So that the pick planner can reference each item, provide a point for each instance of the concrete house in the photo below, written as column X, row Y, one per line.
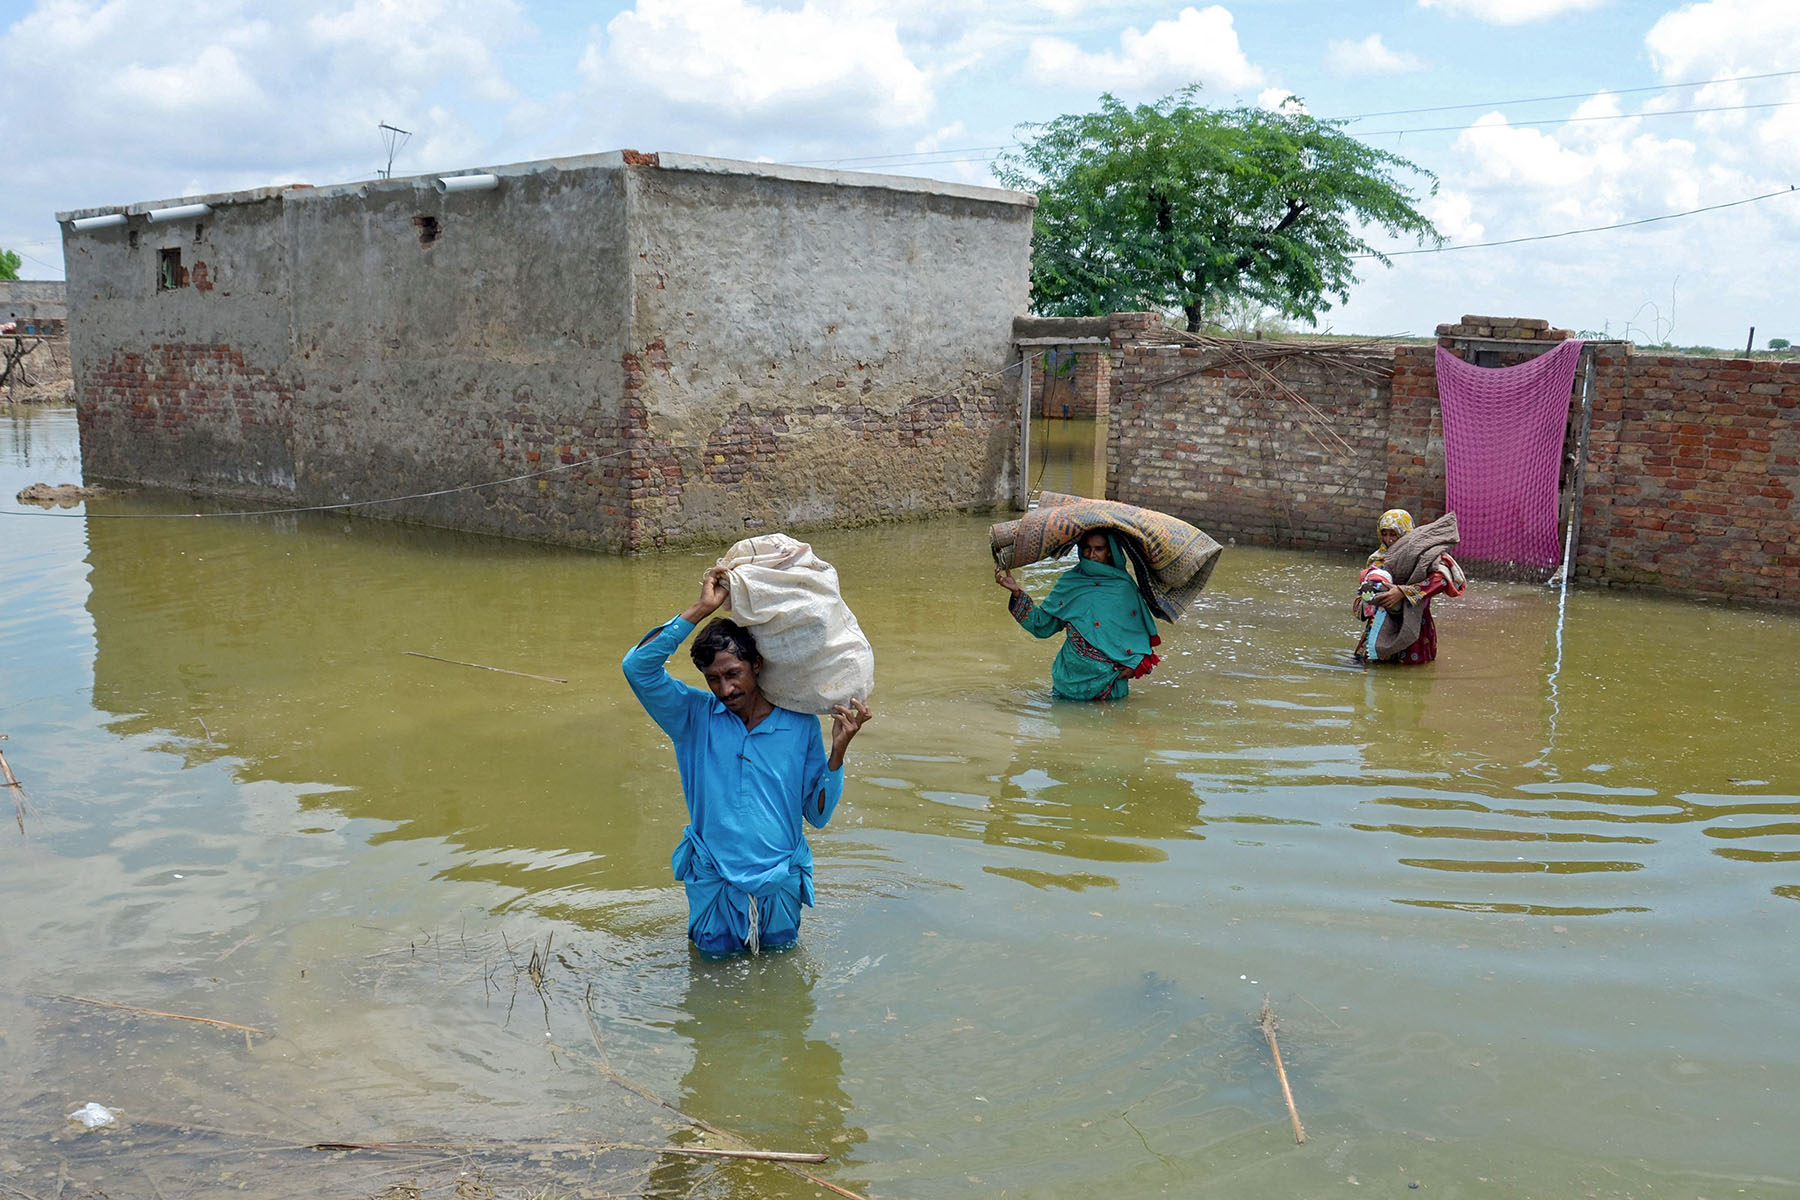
column 688, row 348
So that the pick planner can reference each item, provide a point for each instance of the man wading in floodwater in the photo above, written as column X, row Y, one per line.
column 749, row 771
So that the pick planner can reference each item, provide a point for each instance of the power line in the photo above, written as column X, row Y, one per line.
column 1544, row 237
column 981, row 153
column 1656, row 87
column 1667, row 112
column 924, row 158
column 34, row 258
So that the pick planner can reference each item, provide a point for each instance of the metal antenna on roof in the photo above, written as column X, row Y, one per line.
column 392, row 137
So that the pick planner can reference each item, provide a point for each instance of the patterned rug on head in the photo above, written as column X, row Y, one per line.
column 1173, row 559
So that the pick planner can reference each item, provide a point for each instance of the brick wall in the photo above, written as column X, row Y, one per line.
column 791, row 466
column 1688, row 486
column 1192, row 435
column 1692, row 468
column 1079, row 390
column 233, row 420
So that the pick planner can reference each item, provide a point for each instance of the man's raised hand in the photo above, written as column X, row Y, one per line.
column 846, row 720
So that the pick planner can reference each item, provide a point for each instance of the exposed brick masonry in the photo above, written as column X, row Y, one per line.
column 1191, row 435
column 1688, row 486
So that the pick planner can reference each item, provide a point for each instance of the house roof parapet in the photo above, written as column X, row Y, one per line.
column 663, row 160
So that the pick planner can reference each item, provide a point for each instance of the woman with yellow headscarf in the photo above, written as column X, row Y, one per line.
column 1393, row 597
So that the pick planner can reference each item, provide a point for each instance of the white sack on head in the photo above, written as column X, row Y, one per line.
column 814, row 653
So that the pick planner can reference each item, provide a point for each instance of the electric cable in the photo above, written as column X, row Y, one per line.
column 1545, row 237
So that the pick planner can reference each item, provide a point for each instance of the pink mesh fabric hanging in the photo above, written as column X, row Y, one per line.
column 1503, row 437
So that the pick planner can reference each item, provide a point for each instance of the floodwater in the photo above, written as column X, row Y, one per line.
column 1526, row 932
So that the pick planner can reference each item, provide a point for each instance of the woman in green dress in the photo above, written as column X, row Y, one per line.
column 1110, row 633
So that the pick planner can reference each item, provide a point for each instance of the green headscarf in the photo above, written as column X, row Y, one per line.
column 1101, row 603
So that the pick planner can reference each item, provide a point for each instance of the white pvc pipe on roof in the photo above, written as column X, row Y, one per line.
column 105, row 222
column 466, row 183
column 180, row 212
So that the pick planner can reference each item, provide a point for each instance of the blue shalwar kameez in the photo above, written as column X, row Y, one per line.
column 746, row 790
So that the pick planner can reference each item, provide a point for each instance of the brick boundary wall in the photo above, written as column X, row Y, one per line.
column 1692, row 469
column 1688, row 488
column 1191, row 436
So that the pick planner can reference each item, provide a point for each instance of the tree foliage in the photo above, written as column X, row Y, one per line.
column 1175, row 206
column 9, row 264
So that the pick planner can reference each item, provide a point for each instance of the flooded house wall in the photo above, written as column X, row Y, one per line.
column 466, row 337
column 707, row 347
column 805, row 352
column 180, row 353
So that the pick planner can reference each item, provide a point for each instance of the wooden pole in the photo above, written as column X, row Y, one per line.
column 1268, row 1028
column 1024, row 498
column 1750, row 341
column 1581, row 457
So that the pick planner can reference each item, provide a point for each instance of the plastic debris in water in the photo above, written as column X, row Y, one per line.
column 94, row 1116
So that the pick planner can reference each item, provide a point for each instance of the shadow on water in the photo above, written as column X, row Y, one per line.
column 1505, row 962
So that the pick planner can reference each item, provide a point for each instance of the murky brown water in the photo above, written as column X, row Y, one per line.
column 1521, row 941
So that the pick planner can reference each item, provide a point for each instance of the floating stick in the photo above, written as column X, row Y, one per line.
column 1267, row 1022
column 646, row 1094
column 151, row 1012
column 457, row 662
column 17, row 789
column 776, row 1156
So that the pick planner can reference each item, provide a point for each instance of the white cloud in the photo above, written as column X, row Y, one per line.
column 1501, row 153
column 1718, row 39
column 1371, row 56
column 1453, row 213
column 213, row 79
column 1724, row 37
column 1198, row 46
column 1511, row 12
column 151, row 99
column 735, row 64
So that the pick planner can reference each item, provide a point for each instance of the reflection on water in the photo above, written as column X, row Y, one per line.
column 1508, row 957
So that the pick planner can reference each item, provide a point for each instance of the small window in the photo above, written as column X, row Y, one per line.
column 168, row 270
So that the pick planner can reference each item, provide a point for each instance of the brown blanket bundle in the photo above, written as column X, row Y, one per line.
column 1409, row 560
column 1174, row 559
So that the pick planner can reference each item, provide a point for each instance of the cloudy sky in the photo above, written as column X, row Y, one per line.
column 1537, row 116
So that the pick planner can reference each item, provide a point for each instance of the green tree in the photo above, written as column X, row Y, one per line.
column 1175, row 206
column 1779, row 343
column 9, row 264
